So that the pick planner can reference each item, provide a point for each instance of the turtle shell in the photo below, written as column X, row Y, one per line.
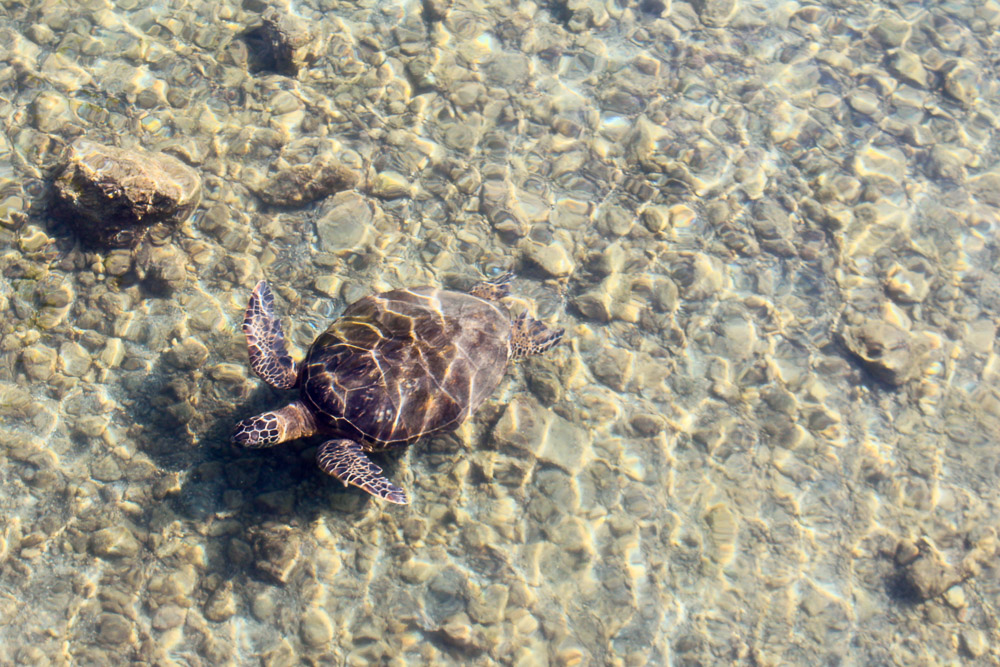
column 403, row 364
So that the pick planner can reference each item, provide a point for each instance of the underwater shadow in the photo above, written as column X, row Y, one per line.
column 185, row 421
column 243, row 501
column 901, row 590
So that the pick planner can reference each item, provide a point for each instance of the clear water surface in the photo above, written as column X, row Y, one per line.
column 770, row 436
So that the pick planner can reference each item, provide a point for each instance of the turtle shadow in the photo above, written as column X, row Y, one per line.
column 187, row 437
column 230, row 495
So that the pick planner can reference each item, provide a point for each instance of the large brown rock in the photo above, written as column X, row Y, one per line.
column 112, row 196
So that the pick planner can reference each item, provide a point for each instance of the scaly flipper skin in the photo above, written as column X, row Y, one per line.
column 258, row 431
column 528, row 336
column 346, row 460
column 271, row 428
column 493, row 290
column 269, row 357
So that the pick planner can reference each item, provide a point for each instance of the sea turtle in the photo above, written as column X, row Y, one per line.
column 393, row 368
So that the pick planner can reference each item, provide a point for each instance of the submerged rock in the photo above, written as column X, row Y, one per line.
column 715, row 13
column 908, row 69
column 925, row 572
column 962, row 81
column 161, row 268
column 774, row 228
column 436, row 10
column 221, row 605
column 347, row 224
column 281, row 44
column 316, row 629
column 529, row 427
column 891, row 353
column 553, row 259
column 168, row 616
column 276, row 550
column 112, row 196
column 114, row 629
column 305, row 183
column 114, row 542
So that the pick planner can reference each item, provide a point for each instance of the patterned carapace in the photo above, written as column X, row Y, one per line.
column 393, row 368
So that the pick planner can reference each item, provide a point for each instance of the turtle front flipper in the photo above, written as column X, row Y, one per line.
column 268, row 429
column 528, row 336
column 269, row 357
column 495, row 289
column 345, row 460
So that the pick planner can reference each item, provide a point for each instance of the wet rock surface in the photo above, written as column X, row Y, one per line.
column 316, row 629
column 925, row 573
column 276, row 551
column 282, row 43
column 346, row 224
column 305, row 183
column 112, row 196
column 114, row 542
column 891, row 353
column 162, row 269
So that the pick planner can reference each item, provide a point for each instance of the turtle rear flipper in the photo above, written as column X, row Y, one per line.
column 528, row 336
column 269, row 357
column 345, row 460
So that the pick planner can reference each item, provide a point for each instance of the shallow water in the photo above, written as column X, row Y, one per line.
column 770, row 434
